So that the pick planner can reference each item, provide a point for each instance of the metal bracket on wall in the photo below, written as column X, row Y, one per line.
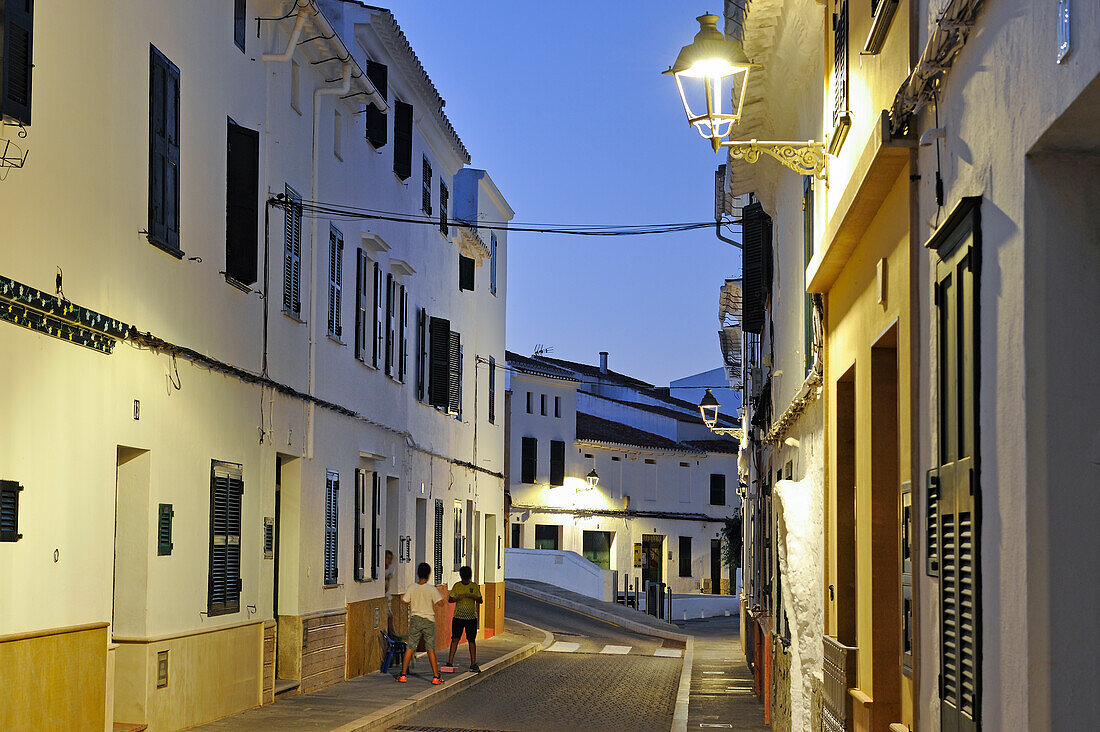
column 803, row 157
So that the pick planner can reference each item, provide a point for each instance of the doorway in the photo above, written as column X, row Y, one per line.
column 652, row 545
column 421, row 540
column 716, row 567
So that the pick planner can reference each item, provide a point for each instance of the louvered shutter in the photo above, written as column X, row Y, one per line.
column 331, row 543
column 376, row 526
column 454, row 401
column 164, row 150
column 242, row 197
column 9, row 510
column 953, row 483
column 529, row 459
column 16, row 59
column 360, row 529
column 421, row 353
column 439, row 347
column 226, row 487
column 438, row 541
column 493, row 263
column 292, row 253
column 402, row 139
column 164, row 529
column 756, row 228
column 426, row 188
column 391, row 308
column 840, row 61
column 492, row 390
column 335, row 278
column 557, row 462
column 444, row 199
column 378, row 350
column 376, row 118
column 361, row 263
column 403, row 333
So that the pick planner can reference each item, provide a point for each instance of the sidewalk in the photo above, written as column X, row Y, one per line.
column 376, row 701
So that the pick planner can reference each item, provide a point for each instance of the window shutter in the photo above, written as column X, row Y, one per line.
column 242, row 197
column 439, row 379
column 840, row 62
column 403, row 334
column 402, row 139
column 9, row 510
column 529, row 459
column 335, row 277
column 454, row 391
column 377, row 351
column 16, row 60
column 421, row 352
column 164, row 529
column 361, row 262
column 292, row 253
column 164, row 150
column 557, row 462
column 756, row 235
column 238, row 23
column 426, row 189
column 438, row 541
column 331, row 545
column 465, row 273
column 376, row 526
column 360, row 531
column 391, row 309
column 224, row 589
column 444, row 197
column 376, row 118
column 457, row 553
column 493, row 263
column 492, row 390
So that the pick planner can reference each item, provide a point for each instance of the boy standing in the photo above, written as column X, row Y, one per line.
column 467, row 596
column 423, row 599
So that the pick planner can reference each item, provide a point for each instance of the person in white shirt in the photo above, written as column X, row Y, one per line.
column 423, row 599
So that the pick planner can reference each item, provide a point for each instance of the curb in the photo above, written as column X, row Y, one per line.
column 683, row 693
column 400, row 711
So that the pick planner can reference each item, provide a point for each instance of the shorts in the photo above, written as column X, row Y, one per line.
column 458, row 625
column 421, row 628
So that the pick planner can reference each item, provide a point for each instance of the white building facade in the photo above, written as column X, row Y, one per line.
column 259, row 387
column 665, row 486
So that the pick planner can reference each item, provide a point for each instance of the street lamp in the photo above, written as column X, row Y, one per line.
column 708, row 410
column 593, row 478
column 718, row 64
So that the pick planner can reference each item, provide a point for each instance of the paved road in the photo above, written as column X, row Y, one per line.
column 601, row 677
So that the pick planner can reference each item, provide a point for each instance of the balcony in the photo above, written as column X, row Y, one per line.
column 840, row 676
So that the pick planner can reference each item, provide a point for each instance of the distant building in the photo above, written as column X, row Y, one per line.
column 665, row 484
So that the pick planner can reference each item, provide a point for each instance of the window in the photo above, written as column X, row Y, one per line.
column 337, row 134
column 685, row 483
column 685, row 556
column 391, row 325
column 164, row 151
column 517, row 536
column 402, row 139
column 426, row 189
column 421, row 353
column 292, row 253
column 557, row 406
column 492, row 390
column 9, row 510
column 295, row 86
column 367, row 509
column 445, row 366
column 465, row 273
column 335, row 278
column 16, row 40
column 402, row 333
column 546, row 536
column 596, row 548
column 164, row 529
column 378, row 350
column 841, row 114
column 224, row 588
column 493, row 263
column 455, row 405
column 242, row 207
column 557, row 462
column 238, row 23
column 362, row 266
column 443, row 200
column 529, row 406
column 717, row 489
column 458, row 543
column 529, row 459
column 332, row 516
column 376, row 118
column 542, row 404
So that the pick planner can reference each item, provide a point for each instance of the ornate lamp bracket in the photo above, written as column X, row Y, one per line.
column 735, row 432
column 805, row 158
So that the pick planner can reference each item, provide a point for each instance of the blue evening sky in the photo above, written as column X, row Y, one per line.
column 563, row 103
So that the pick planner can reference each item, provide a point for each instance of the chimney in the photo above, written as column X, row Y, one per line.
column 603, row 362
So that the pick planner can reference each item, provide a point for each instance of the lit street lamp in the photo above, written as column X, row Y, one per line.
column 593, row 478
column 708, row 410
column 709, row 68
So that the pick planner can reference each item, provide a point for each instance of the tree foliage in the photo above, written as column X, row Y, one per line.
column 732, row 541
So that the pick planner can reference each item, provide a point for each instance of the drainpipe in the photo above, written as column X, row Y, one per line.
column 315, row 241
column 299, row 24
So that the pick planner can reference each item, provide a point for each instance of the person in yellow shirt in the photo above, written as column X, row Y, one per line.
column 467, row 596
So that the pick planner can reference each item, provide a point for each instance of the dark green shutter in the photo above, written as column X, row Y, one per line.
column 444, row 198
column 16, row 59
column 9, row 510
column 557, row 462
column 465, row 273
column 953, row 483
column 376, row 118
column 331, row 542
column 426, row 188
column 164, row 529
column 375, row 525
column 421, row 353
column 492, row 390
column 402, row 139
column 454, row 375
column 292, row 253
column 360, row 304
column 529, row 460
column 242, row 207
column 359, row 530
column 439, row 348
column 164, row 150
column 224, row 589
column 438, row 541
column 756, row 239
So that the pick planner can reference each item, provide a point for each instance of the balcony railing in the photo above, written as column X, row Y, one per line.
column 840, row 675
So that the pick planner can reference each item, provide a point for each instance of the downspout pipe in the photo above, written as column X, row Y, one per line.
column 299, row 24
column 718, row 233
column 315, row 240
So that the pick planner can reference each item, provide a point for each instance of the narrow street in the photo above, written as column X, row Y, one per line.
column 596, row 676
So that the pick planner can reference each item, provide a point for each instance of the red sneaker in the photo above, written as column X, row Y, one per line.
column 436, row 680
column 402, row 678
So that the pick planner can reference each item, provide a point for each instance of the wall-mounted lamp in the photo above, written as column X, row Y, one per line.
column 593, row 478
column 708, row 410
column 712, row 67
